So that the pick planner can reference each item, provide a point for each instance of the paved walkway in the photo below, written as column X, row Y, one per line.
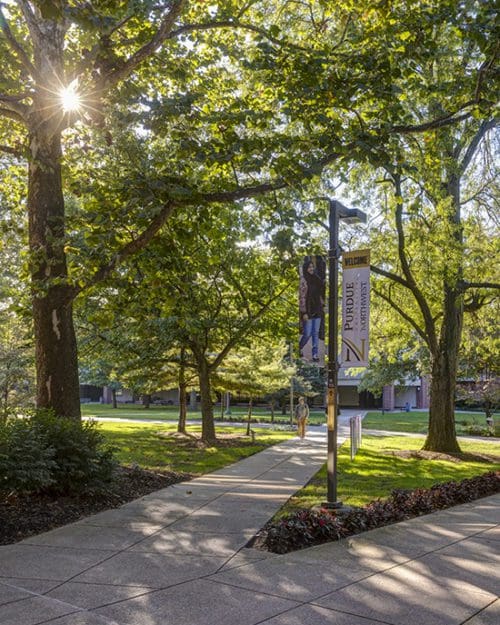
column 178, row 557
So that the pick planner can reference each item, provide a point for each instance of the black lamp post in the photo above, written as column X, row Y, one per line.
column 350, row 215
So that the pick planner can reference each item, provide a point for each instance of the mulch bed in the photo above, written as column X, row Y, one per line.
column 26, row 515
column 30, row 514
column 191, row 440
column 306, row 527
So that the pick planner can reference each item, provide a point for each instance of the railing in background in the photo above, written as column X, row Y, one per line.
column 355, row 424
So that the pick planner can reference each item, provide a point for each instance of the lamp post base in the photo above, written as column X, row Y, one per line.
column 337, row 507
column 332, row 505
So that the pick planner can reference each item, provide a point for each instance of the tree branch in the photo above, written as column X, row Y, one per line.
column 165, row 32
column 439, row 122
column 31, row 20
column 7, row 149
column 404, row 315
column 12, row 104
column 390, row 275
column 11, row 113
column 142, row 240
column 481, row 285
column 476, row 301
column 485, row 67
column 265, row 187
column 244, row 329
column 234, row 24
column 149, row 48
column 106, row 269
column 408, row 274
column 15, row 45
column 474, row 144
column 236, row 283
column 14, row 98
column 242, row 192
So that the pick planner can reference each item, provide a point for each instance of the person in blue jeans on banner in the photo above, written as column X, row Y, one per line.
column 312, row 303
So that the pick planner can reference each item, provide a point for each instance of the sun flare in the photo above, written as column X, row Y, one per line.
column 70, row 98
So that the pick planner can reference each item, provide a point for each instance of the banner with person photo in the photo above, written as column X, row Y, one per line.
column 312, row 278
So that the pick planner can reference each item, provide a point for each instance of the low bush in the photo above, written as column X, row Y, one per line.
column 477, row 430
column 83, row 460
column 26, row 457
column 309, row 527
column 45, row 453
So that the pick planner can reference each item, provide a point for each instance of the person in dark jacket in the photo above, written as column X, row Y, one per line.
column 312, row 303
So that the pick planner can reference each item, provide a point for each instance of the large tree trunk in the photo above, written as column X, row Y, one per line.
column 55, row 342
column 207, row 411
column 442, row 435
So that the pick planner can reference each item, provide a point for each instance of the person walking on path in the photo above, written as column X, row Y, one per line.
column 301, row 414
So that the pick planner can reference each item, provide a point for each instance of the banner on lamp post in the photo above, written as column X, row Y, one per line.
column 312, row 276
column 355, row 308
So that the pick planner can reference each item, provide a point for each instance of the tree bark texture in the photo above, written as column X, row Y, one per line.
column 207, row 411
column 55, row 341
column 442, row 434
column 181, row 424
column 56, row 350
column 249, row 415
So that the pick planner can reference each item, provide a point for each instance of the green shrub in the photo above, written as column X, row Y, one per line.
column 26, row 457
column 476, row 430
column 45, row 453
column 83, row 460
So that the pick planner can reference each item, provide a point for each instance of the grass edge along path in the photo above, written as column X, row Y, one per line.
column 385, row 463
column 158, row 447
column 152, row 456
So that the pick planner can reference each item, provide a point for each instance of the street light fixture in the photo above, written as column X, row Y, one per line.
column 337, row 212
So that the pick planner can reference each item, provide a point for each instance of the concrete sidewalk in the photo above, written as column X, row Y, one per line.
column 178, row 557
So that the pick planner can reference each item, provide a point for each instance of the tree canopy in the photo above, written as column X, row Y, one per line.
column 180, row 106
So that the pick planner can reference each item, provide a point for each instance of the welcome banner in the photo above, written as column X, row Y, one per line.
column 355, row 308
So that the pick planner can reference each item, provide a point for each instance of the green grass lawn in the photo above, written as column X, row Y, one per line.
column 417, row 422
column 375, row 471
column 153, row 446
column 171, row 413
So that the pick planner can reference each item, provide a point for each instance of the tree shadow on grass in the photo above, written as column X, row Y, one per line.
column 191, row 440
column 422, row 454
